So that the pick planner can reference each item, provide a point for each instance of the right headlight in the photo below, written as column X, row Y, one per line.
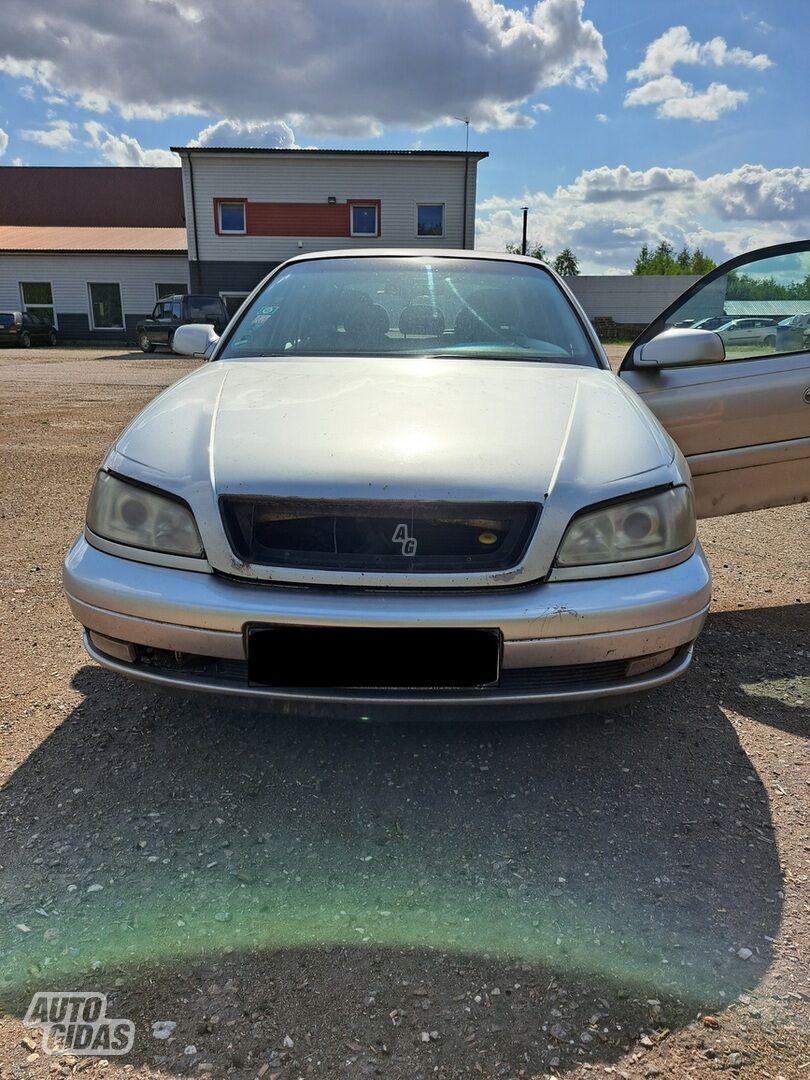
column 141, row 517
column 637, row 528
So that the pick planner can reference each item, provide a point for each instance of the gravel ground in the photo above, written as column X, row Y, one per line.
column 621, row 895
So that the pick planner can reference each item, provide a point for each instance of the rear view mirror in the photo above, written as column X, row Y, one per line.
column 195, row 339
column 678, row 347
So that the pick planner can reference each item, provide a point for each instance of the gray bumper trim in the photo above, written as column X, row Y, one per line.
column 489, row 698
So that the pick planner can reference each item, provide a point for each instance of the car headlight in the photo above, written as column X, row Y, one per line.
column 637, row 528
column 140, row 517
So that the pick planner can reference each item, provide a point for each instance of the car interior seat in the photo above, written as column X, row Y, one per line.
column 488, row 315
column 365, row 324
column 421, row 320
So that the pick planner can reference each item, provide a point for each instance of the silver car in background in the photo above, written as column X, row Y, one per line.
column 411, row 479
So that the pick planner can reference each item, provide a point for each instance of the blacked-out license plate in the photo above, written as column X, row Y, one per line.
column 304, row 656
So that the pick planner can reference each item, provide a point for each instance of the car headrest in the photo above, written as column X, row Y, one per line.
column 368, row 322
column 421, row 319
column 486, row 312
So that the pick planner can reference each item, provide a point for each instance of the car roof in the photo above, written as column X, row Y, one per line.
column 416, row 253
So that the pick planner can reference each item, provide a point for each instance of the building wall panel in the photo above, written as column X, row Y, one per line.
column 297, row 219
column 628, row 298
column 400, row 183
column 70, row 274
column 91, row 196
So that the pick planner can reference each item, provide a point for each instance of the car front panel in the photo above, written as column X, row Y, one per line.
column 552, row 633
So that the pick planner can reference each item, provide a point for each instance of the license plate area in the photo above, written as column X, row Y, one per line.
column 373, row 659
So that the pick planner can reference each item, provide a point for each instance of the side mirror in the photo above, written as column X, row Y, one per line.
column 678, row 347
column 195, row 339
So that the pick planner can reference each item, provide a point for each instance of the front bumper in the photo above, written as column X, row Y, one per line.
column 581, row 631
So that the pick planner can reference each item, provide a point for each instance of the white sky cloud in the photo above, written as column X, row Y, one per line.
column 679, row 100
column 352, row 69
column 57, row 136
column 606, row 214
column 3, row 142
column 675, row 46
column 272, row 133
column 125, row 150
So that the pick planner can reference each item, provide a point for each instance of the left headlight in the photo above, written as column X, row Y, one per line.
column 142, row 518
column 637, row 528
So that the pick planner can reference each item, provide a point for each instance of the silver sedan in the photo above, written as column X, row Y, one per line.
column 410, row 479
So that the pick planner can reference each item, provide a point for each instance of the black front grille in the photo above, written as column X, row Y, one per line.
column 547, row 680
column 367, row 536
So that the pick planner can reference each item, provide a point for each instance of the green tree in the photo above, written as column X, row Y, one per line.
column 701, row 264
column 566, row 263
column 683, row 260
column 533, row 250
column 663, row 260
column 642, row 264
column 746, row 287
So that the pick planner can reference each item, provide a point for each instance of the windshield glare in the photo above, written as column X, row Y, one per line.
column 409, row 306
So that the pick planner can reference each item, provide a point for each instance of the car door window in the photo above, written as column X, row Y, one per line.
column 763, row 299
column 741, row 421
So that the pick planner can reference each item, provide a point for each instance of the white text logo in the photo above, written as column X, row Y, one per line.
column 403, row 537
column 77, row 1023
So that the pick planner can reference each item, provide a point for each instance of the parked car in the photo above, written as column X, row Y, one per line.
column 748, row 332
column 174, row 311
column 793, row 333
column 411, row 479
column 24, row 330
column 710, row 323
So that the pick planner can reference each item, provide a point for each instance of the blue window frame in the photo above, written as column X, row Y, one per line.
column 430, row 219
column 364, row 219
column 231, row 217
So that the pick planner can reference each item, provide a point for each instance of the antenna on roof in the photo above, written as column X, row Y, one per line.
column 466, row 121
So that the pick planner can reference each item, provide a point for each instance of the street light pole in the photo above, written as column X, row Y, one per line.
column 525, row 210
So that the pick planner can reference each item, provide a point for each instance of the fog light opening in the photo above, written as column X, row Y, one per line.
column 649, row 663
column 118, row 650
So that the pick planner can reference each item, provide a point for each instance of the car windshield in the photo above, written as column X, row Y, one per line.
column 412, row 306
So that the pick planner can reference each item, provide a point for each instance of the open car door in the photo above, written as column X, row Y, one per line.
column 740, row 412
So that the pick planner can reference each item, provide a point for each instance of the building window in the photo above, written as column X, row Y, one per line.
column 179, row 288
column 364, row 219
column 430, row 219
column 231, row 217
column 233, row 301
column 37, row 299
column 105, row 305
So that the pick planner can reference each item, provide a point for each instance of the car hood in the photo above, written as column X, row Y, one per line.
column 396, row 429
column 415, row 430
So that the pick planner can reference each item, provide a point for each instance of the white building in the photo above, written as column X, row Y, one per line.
column 90, row 282
column 249, row 209
column 90, row 248
column 630, row 300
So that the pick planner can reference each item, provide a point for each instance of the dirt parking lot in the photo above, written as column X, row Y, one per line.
column 622, row 895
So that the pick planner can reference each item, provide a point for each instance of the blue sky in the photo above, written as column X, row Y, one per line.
column 617, row 123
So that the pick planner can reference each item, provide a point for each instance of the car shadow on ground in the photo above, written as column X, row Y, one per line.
column 133, row 352
column 415, row 896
